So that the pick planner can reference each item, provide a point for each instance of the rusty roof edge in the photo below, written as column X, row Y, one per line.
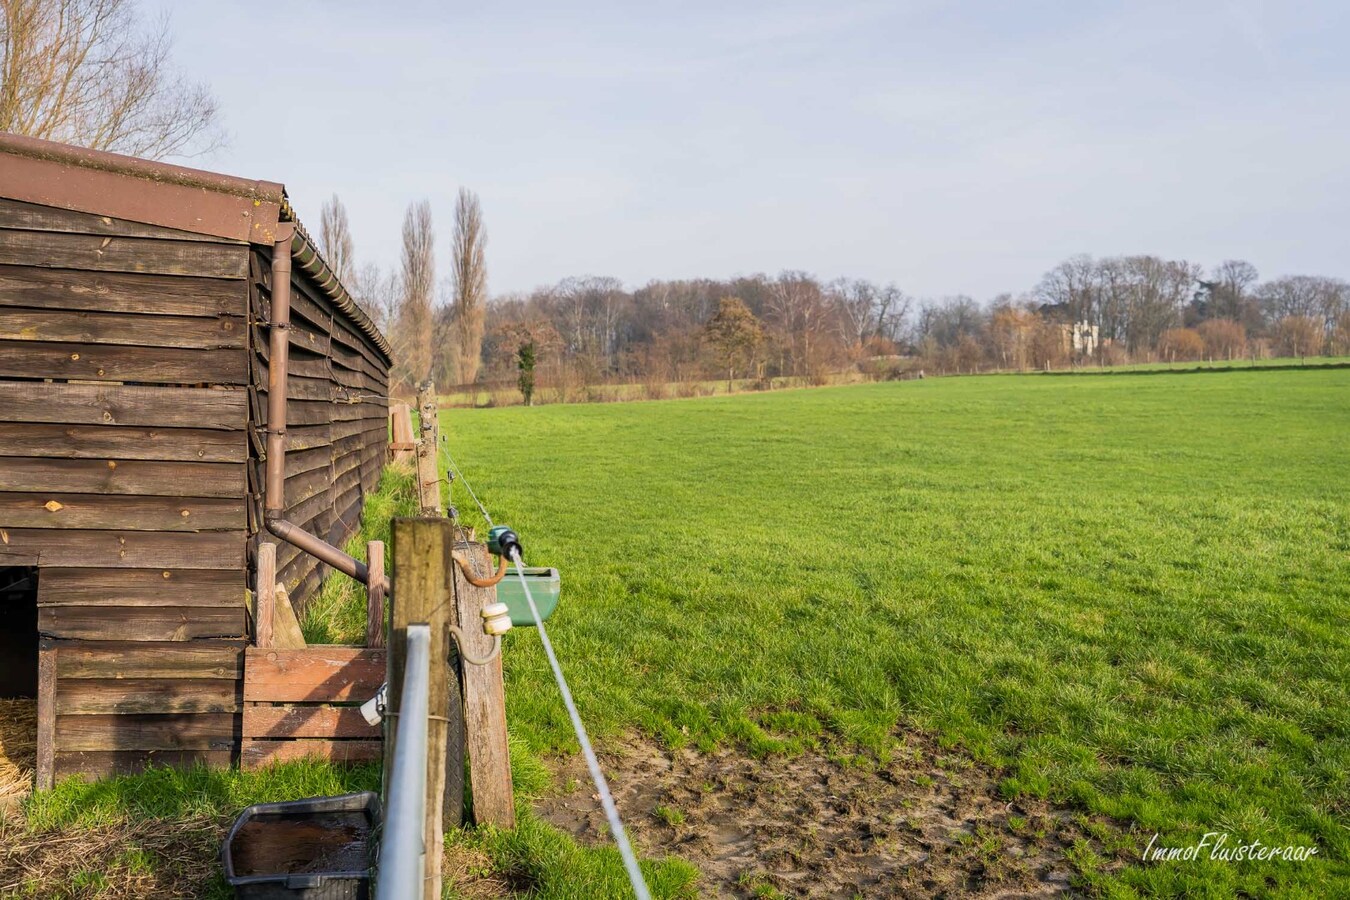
column 270, row 194
column 307, row 256
column 36, row 148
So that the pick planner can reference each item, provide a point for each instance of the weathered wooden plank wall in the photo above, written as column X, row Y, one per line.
column 123, row 408
column 336, row 420
column 133, row 388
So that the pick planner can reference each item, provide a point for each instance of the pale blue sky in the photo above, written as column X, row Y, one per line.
column 951, row 148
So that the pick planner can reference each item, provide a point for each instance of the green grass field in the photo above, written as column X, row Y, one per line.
column 1130, row 593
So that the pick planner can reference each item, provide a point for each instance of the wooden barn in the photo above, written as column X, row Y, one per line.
column 135, row 305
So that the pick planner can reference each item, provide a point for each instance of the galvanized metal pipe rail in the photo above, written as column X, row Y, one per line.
column 402, row 850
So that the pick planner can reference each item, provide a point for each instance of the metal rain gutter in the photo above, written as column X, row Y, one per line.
column 274, row 507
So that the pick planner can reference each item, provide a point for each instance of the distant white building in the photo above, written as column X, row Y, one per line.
column 1083, row 338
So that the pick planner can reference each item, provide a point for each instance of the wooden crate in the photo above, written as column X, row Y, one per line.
column 300, row 703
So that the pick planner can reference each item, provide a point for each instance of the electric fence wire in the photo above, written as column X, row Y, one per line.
column 616, row 828
column 630, row 862
column 451, row 460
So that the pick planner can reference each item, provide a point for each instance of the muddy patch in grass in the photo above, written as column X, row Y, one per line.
column 929, row 823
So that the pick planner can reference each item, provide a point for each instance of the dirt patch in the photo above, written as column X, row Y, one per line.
column 929, row 823
column 18, row 750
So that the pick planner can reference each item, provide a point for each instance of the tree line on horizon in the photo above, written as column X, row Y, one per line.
column 586, row 331
column 595, row 330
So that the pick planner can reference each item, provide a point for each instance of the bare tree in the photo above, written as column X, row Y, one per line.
column 798, row 308
column 1158, row 289
column 1070, row 290
column 87, row 72
column 419, row 284
column 469, row 246
column 1230, row 291
column 865, row 310
column 336, row 236
column 379, row 293
column 1305, row 296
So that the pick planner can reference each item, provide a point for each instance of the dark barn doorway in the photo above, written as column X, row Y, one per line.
column 18, row 681
column 18, row 633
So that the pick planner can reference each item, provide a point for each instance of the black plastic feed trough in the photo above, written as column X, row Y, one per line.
column 324, row 848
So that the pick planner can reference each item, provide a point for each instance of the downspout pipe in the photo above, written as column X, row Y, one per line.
column 274, row 506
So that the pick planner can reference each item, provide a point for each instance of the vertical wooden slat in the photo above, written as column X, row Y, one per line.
column 484, row 701
column 265, row 590
column 375, row 592
column 400, row 415
column 422, row 570
column 46, row 716
column 428, row 448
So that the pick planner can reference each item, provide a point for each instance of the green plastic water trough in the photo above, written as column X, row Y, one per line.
column 545, row 587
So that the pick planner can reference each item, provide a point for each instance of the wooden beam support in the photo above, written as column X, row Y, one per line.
column 375, row 594
column 428, row 450
column 422, row 581
column 46, row 717
column 484, row 701
column 404, row 442
column 264, row 613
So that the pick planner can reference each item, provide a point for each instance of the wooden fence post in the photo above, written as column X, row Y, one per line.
column 428, row 451
column 421, row 579
column 484, row 701
column 264, row 594
column 403, row 443
column 45, row 774
column 375, row 592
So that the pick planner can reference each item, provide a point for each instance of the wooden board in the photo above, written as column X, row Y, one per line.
column 107, row 253
column 122, row 549
column 82, row 327
column 306, row 461
column 111, row 362
column 484, row 702
column 306, row 437
column 45, row 768
column 84, row 696
column 302, row 486
column 33, row 217
column 146, row 659
column 60, row 441
column 256, row 752
column 92, row 404
column 299, row 387
column 115, row 511
column 142, row 623
column 140, row 587
column 422, row 575
column 278, row 722
column 42, row 288
column 130, row 477
column 102, row 763
column 194, row 731
column 317, row 674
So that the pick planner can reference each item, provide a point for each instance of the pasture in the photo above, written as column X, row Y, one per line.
column 1126, row 595
column 977, row 635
